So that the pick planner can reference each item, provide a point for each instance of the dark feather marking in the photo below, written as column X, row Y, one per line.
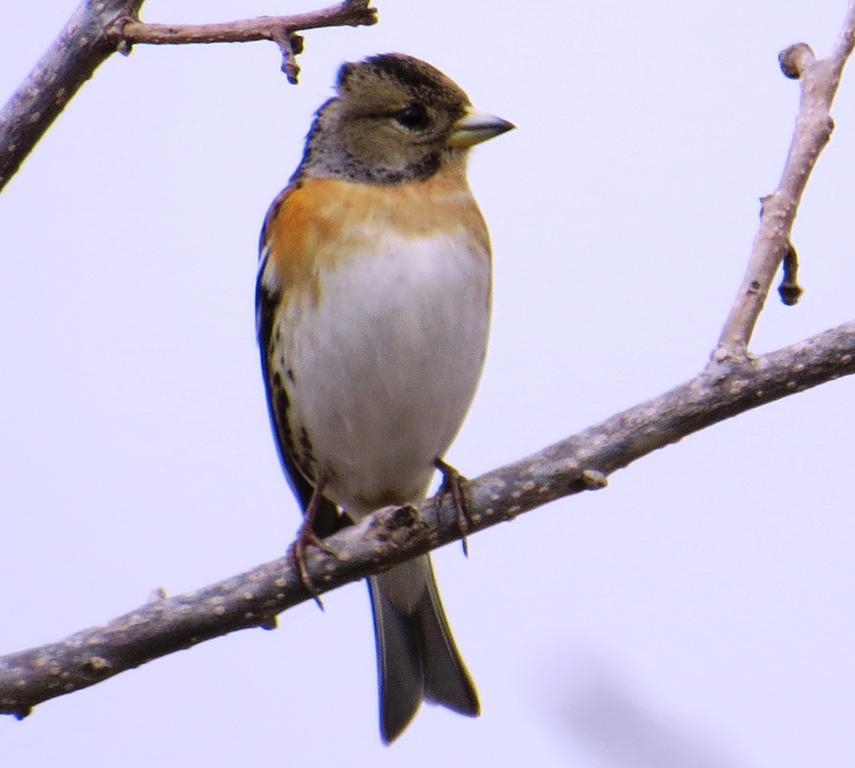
column 406, row 70
column 327, row 520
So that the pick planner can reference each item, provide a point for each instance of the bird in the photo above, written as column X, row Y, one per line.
column 373, row 302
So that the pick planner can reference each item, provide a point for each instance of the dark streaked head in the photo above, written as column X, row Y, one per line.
column 394, row 118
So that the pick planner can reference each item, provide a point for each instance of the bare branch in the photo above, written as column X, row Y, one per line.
column 819, row 81
column 86, row 40
column 99, row 28
column 279, row 29
column 582, row 462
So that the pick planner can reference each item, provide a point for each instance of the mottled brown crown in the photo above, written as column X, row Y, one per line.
column 389, row 122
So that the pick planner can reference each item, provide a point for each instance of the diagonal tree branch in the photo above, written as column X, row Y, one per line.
column 582, row 462
column 819, row 81
column 82, row 45
column 99, row 28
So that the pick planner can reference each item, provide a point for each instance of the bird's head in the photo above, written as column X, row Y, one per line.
column 394, row 118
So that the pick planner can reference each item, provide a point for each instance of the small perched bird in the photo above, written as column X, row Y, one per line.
column 373, row 305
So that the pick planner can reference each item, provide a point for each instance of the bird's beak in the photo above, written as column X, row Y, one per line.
column 475, row 127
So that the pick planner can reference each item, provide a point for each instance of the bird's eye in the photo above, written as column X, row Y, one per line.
column 413, row 116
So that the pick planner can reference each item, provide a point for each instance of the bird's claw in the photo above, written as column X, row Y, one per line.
column 454, row 485
column 306, row 537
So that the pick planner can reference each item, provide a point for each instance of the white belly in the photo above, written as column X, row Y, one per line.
column 385, row 366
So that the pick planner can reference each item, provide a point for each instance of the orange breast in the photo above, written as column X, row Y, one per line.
column 318, row 223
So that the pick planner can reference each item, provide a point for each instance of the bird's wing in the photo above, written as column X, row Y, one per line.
column 268, row 294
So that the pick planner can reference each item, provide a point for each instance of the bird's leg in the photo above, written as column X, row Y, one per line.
column 454, row 485
column 306, row 537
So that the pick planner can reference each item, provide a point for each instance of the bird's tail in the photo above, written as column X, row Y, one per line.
column 416, row 655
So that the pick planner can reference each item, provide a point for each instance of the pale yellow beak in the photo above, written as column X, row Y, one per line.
column 475, row 127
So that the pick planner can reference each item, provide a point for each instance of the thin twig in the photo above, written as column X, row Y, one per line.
column 279, row 29
column 351, row 13
column 819, row 80
column 391, row 535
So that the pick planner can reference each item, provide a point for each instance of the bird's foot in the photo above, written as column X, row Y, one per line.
column 306, row 537
column 455, row 486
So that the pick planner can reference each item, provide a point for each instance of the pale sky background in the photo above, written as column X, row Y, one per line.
column 698, row 612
